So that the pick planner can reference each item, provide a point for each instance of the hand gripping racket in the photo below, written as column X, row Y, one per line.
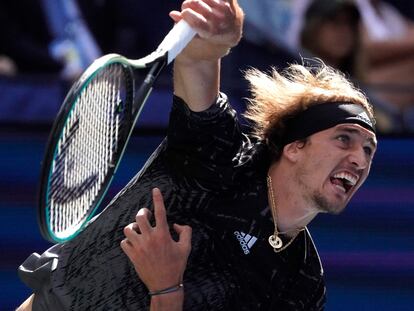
column 90, row 133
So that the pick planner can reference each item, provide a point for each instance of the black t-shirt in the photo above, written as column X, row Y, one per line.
column 213, row 178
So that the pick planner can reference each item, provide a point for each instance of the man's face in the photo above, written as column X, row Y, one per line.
column 333, row 164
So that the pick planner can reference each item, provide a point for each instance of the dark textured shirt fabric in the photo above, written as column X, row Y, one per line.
column 213, row 178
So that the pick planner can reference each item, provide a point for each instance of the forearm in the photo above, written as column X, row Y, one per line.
column 168, row 302
column 197, row 82
column 387, row 51
column 218, row 25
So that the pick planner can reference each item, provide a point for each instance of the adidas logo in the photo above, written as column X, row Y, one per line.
column 246, row 241
column 364, row 117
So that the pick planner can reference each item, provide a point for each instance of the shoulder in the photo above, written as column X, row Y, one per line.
column 253, row 156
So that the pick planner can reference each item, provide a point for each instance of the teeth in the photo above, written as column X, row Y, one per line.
column 349, row 178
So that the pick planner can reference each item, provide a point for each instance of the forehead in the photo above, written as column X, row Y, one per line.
column 357, row 129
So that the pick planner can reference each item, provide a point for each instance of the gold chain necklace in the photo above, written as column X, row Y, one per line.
column 274, row 240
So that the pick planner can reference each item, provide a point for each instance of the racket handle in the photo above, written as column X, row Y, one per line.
column 176, row 40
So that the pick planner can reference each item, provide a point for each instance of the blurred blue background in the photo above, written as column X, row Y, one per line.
column 367, row 252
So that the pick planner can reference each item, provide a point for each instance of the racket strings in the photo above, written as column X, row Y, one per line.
column 87, row 148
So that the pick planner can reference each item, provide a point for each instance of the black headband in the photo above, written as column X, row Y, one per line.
column 320, row 117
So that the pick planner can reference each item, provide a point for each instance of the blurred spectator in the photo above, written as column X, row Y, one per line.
column 388, row 43
column 26, row 37
column 330, row 32
column 47, row 36
column 72, row 43
column 270, row 38
column 327, row 29
column 7, row 66
column 274, row 22
column 128, row 27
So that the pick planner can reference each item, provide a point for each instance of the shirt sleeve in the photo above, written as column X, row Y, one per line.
column 202, row 146
column 36, row 272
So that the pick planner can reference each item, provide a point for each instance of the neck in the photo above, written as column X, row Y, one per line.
column 292, row 212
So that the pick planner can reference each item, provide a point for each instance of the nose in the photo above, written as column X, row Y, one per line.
column 359, row 158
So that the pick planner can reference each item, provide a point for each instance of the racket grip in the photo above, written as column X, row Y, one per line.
column 176, row 40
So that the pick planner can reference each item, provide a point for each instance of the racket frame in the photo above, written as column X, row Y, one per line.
column 138, row 96
column 169, row 48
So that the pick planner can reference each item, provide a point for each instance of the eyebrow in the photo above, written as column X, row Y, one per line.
column 356, row 131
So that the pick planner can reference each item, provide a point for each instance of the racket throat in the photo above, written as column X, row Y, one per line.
column 144, row 90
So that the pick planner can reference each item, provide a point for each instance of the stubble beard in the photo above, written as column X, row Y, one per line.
column 322, row 204
column 317, row 200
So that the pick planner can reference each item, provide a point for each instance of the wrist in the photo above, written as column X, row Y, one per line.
column 168, row 296
column 167, row 290
column 198, row 51
column 197, row 82
column 194, row 63
column 172, row 301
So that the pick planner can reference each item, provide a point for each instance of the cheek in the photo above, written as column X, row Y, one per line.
column 322, row 159
column 314, row 171
column 319, row 162
column 364, row 177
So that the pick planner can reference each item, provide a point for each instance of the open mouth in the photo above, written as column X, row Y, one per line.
column 344, row 181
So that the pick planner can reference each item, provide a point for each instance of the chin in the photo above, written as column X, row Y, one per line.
column 326, row 206
column 335, row 210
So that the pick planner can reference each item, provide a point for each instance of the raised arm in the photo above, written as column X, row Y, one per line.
column 388, row 51
column 197, row 69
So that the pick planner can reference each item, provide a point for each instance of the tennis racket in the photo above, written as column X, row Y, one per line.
column 90, row 133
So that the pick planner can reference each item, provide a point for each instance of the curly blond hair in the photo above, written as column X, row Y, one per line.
column 278, row 96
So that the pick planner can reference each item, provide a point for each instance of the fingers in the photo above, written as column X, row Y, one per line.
column 205, row 8
column 127, row 248
column 159, row 210
column 131, row 234
column 142, row 220
column 176, row 16
column 220, row 7
column 200, row 7
column 144, row 215
column 217, row 5
column 184, row 236
column 196, row 21
column 206, row 17
column 131, row 239
column 141, row 231
column 233, row 5
column 142, row 225
column 209, row 9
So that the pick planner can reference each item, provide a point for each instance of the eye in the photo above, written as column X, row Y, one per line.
column 344, row 138
column 368, row 150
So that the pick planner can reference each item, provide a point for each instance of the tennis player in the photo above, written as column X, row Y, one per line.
column 247, row 198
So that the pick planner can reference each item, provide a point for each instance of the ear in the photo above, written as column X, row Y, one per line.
column 293, row 151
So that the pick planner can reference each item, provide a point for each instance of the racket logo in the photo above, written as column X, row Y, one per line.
column 91, row 132
column 64, row 166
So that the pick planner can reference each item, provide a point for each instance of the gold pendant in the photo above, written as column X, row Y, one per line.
column 275, row 241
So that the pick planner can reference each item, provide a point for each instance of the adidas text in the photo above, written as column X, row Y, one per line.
column 246, row 241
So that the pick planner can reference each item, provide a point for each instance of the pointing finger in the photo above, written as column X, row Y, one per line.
column 159, row 209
